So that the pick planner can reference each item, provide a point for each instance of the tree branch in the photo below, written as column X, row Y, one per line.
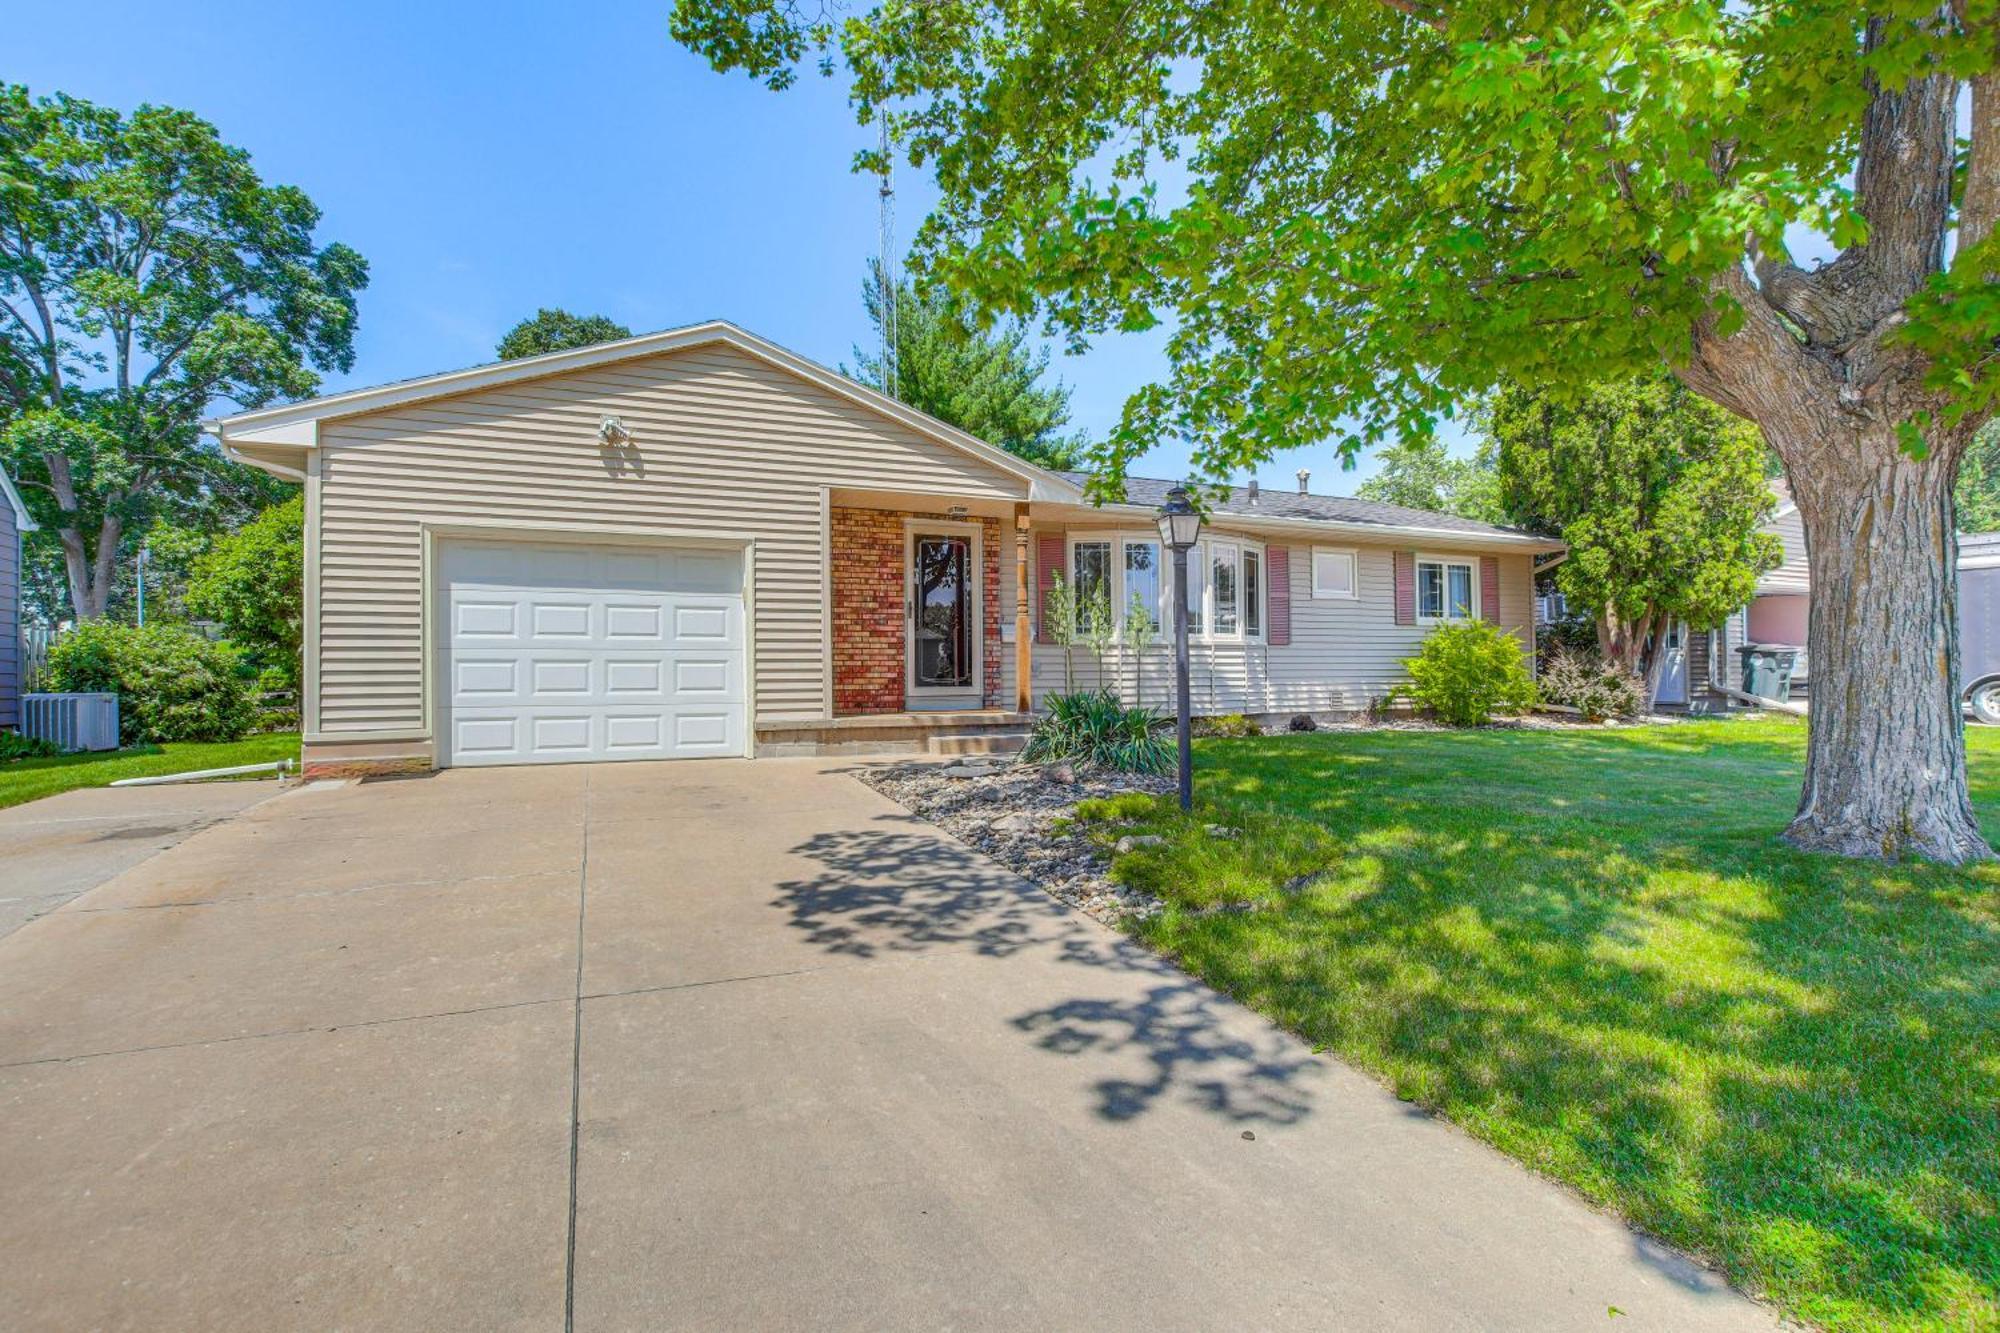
column 1980, row 211
column 1421, row 13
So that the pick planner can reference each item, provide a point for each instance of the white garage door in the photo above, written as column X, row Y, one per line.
column 560, row 654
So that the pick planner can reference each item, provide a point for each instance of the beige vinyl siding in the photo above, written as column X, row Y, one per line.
column 722, row 445
column 1343, row 654
column 1790, row 529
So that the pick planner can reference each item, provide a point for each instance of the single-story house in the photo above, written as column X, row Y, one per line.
column 698, row 543
column 14, row 524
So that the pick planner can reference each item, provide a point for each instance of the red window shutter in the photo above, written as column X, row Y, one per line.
column 1489, row 588
column 1049, row 562
column 1278, row 598
column 1406, row 587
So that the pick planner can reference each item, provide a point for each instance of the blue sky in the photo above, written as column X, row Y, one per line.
column 491, row 158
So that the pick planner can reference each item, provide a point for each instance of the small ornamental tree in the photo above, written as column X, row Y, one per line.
column 1351, row 218
column 1658, row 494
column 554, row 330
column 252, row 583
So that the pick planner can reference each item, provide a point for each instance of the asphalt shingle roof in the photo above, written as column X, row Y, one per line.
column 1152, row 492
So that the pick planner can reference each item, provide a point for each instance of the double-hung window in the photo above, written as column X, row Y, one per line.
column 1142, row 585
column 1227, row 590
column 1253, row 594
column 1090, row 580
column 1446, row 589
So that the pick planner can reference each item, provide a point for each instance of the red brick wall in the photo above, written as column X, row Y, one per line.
column 868, row 591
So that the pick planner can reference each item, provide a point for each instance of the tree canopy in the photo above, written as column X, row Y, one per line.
column 252, row 583
column 1657, row 493
column 1423, row 474
column 1353, row 217
column 553, row 330
column 146, row 271
column 987, row 382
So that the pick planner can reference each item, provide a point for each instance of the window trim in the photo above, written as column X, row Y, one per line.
column 1202, row 554
column 1470, row 563
column 1322, row 593
column 1118, row 539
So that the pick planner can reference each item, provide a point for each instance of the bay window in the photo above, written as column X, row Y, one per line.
column 1142, row 585
column 1090, row 579
column 1253, row 593
column 1222, row 563
column 1226, row 585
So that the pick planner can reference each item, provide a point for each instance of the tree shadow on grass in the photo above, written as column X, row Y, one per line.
column 1786, row 1062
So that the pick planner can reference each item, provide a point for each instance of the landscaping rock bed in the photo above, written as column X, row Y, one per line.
column 1010, row 811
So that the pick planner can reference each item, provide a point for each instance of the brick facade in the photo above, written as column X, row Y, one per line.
column 868, row 591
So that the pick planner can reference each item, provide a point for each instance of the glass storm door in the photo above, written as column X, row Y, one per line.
column 943, row 656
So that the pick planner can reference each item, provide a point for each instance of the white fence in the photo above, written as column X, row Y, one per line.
column 35, row 643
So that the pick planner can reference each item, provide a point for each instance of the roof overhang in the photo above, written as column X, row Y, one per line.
column 1327, row 529
column 254, row 437
column 22, row 521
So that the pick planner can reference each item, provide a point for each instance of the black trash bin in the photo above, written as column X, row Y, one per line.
column 1767, row 669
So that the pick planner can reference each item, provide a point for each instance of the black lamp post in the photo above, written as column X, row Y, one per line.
column 1180, row 524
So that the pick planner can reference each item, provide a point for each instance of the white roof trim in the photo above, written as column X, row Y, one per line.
column 22, row 522
column 1287, row 526
column 281, row 425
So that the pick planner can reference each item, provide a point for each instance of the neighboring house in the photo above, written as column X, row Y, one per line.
column 14, row 523
column 1776, row 615
column 697, row 543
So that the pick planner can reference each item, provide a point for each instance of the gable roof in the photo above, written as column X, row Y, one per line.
column 1347, row 514
column 297, row 424
column 22, row 523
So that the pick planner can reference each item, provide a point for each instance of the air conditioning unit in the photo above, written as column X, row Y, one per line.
column 71, row 721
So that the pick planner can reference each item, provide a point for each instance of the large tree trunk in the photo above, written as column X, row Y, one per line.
column 1885, row 759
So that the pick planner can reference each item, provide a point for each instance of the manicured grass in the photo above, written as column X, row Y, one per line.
column 31, row 779
column 1590, row 950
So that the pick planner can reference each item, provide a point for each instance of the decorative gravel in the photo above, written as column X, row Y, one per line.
column 1009, row 811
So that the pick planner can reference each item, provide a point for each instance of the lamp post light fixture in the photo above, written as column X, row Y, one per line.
column 1180, row 525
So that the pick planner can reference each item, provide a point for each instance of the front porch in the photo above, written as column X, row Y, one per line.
column 973, row 731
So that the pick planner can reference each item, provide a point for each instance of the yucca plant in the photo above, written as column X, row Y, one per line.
column 1095, row 729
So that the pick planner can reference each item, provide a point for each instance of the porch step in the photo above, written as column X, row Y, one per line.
column 978, row 742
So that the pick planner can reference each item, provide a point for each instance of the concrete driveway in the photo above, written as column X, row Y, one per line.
column 713, row 1045
column 53, row 849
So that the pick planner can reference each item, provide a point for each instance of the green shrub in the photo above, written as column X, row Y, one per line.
column 13, row 745
column 1229, row 724
column 1581, row 678
column 1117, row 809
column 172, row 684
column 1094, row 729
column 1466, row 673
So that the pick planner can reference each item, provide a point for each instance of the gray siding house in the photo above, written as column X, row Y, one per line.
column 14, row 523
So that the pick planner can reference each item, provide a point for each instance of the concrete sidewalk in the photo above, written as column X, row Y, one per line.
column 327, row 1064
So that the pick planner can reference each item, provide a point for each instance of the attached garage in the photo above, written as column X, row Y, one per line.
column 559, row 653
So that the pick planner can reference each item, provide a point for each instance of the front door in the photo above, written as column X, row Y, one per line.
column 1674, row 670
column 942, row 614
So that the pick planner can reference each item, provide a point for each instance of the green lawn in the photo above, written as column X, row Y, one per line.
column 31, row 779
column 1589, row 949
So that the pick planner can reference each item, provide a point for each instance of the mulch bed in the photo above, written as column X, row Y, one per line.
column 1008, row 811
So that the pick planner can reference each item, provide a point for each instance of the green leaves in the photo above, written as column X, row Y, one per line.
column 1348, row 219
column 554, row 330
column 1658, row 493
